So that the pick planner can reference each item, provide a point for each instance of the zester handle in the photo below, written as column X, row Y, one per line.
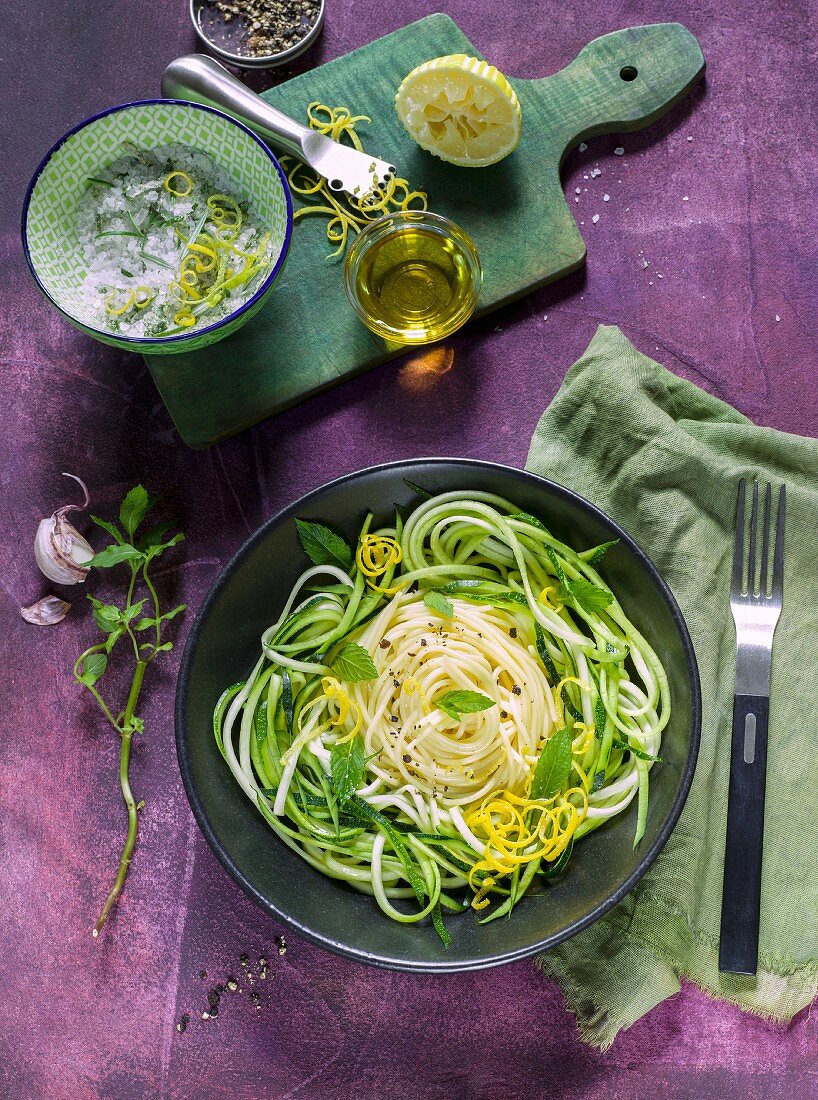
column 201, row 79
column 741, row 894
column 625, row 80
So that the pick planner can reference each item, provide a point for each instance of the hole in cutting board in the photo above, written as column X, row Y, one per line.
column 336, row 185
column 628, row 72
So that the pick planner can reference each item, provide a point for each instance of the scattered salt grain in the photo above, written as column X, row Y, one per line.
column 606, row 198
column 689, row 138
column 685, row 198
column 619, row 151
column 595, row 218
column 578, row 190
column 595, row 172
column 777, row 317
column 582, row 146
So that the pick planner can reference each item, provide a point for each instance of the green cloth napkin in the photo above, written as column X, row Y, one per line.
column 663, row 458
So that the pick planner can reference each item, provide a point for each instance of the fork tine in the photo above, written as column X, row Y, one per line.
column 751, row 562
column 778, row 556
column 765, row 544
column 738, row 547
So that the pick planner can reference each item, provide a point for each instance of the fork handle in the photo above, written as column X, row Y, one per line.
column 202, row 79
column 741, row 895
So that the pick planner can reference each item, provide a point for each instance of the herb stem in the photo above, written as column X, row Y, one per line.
column 127, row 795
column 155, row 598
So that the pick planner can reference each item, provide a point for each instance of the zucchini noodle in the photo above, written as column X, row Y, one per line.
column 441, row 715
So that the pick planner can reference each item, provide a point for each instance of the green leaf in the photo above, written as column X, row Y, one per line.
column 553, row 767
column 113, row 555
column 147, row 623
column 353, row 663
column 93, row 668
column 137, row 724
column 347, row 764
column 165, row 647
column 590, row 597
column 438, row 602
column 107, row 616
column 322, row 546
column 155, row 549
column 455, row 703
column 132, row 611
column 597, row 553
column 111, row 528
column 133, row 508
column 532, row 521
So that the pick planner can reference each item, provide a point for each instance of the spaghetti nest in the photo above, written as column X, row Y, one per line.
column 455, row 703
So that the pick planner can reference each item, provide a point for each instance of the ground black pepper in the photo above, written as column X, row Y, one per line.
column 269, row 26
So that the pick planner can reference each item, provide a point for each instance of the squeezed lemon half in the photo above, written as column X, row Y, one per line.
column 460, row 109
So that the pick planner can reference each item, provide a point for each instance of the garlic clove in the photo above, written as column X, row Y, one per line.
column 61, row 552
column 46, row 612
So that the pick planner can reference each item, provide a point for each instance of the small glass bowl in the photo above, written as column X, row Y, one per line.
column 417, row 259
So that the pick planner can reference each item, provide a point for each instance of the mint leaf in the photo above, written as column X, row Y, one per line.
column 347, row 764
column 553, row 767
column 93, row 668
column 132, row 611
column 113, row 555
column 111, row 528
column 147, row 623
column 322, row 546
column 438, row 602
column 597, row 553
column 107, row 616
column 455, row 703
column 133, row 508
column 590, row 597
column 353, row 663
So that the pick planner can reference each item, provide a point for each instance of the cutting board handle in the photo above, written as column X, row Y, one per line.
column 625, row 80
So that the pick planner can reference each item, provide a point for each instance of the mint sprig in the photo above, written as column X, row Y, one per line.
column 141, row 635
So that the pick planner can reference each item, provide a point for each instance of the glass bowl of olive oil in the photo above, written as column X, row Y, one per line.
column 413, row 277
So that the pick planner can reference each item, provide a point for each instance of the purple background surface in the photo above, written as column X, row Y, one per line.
column 718, row 201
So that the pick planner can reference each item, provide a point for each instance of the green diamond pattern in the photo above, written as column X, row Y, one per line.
column 50, row 231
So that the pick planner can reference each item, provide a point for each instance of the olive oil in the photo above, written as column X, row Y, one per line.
column 417, row 280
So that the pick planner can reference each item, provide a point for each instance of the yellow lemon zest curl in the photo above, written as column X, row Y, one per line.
column 518, row 830
column 411, row 686
column 558, row 703
column 347, row 214
column 171, row 187
column 344, row 707
column 377, row 554
column 545, row 597
column 116, row 310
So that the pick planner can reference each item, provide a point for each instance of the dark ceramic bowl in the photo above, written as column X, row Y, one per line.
column 224, row 644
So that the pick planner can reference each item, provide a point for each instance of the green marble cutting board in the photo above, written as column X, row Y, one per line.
column 306, row 338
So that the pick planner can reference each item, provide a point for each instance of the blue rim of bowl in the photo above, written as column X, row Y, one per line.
column 159, row 341
column 442, row 967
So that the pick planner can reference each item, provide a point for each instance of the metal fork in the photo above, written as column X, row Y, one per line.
column 755, row 602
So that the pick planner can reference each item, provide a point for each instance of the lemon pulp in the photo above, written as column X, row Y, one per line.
column 461, row 109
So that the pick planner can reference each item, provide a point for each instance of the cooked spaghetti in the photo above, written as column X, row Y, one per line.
column 440, row 713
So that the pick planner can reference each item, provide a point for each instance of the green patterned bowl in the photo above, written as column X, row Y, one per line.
column 49, row 237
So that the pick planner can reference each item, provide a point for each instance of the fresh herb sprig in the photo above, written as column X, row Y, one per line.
column 139, row 629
